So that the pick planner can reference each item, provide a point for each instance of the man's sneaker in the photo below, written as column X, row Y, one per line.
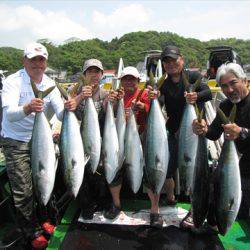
column 156, row 220
column 48, row 228
column 112, row 213
column 39, row 242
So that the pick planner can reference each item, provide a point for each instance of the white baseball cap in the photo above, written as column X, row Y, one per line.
column 35, row 49
column 132, row 71
column 92, row 63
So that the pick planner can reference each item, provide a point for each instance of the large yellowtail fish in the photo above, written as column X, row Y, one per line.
column 72, row 151
column 43, row 159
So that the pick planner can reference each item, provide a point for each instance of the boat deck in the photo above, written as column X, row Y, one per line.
column 72, row 234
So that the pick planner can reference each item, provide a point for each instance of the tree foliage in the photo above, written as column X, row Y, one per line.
column 10, row 59
column 130, row 47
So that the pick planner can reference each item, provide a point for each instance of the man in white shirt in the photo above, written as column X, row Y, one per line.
column 19, row 108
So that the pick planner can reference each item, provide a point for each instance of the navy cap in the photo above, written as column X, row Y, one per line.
column 170, row 51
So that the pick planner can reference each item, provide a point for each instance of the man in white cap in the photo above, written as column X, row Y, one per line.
column 130, row 78
column 19, row 108
column 93, row 72
column 92, row 195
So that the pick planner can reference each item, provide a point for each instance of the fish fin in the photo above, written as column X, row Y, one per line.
column 62, row 91
column 231, row 117
column 47, row 91
column 161, row 80
column 201, row 114
column 151, row 79
column 140, row 94
column 230, row 205
column 81, row 79
column 185, row 81
column 35, row 89
column 198, row 112
column 232, row 114
column 187, row 158
column 74, row 90
column 84, row 81
column 80, row 82
column 197, row 84
column 40, row 166
column 157, row 162
column 86, row 158
column 40, row 94
column 222, row 116
column 73, row 163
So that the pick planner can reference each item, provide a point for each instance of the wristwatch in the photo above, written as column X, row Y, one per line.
column 244, row 133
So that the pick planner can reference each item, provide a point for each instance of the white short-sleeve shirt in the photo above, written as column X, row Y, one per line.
column 17, row 91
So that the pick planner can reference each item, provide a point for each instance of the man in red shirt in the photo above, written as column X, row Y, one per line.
column 130, row 78
column 129, row 81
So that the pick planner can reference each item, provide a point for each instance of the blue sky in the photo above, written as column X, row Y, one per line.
column 25, row 21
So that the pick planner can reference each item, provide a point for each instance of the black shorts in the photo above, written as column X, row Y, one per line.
column 94, row 188
column 118, row 177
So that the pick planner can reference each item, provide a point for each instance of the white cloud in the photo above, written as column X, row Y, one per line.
column 217, row 22
column 204, row 21
column 126, row 18
column 33, row 25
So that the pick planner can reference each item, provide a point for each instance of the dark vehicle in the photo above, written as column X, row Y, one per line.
column 247, row 71
column 219, row 55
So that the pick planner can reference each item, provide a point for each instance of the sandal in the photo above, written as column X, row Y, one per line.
column 187, row 222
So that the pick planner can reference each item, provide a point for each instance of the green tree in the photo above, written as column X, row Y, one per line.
column 130, row 47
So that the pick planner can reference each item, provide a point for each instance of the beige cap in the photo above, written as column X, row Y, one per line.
column 92, row 63
column 130, row 71
column 35, row 49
